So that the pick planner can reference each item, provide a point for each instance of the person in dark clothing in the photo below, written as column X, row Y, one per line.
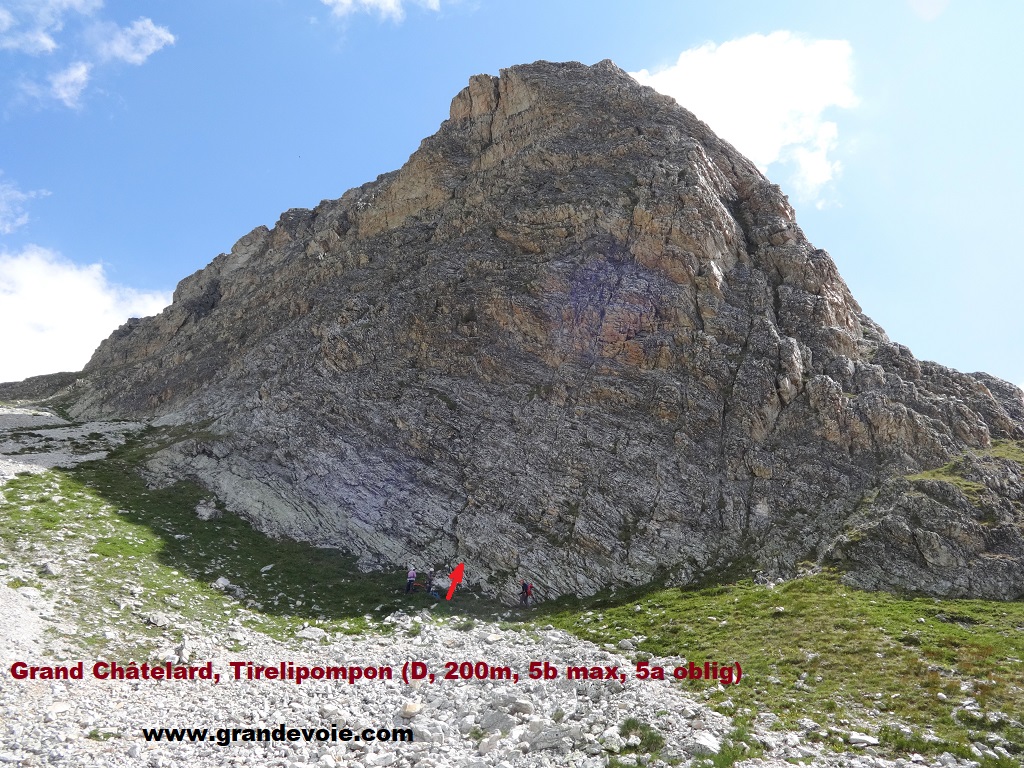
column 524, row 593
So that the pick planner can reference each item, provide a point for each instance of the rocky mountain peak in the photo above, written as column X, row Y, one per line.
column 580, row 339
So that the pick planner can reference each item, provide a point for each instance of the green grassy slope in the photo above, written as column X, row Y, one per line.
column 925, row 675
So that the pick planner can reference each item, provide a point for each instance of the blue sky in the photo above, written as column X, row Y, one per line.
column 140, row 139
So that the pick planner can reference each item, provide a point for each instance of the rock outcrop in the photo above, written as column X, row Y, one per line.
column 580, row 339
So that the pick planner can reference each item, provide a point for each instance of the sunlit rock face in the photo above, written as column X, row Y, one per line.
column 577, row 339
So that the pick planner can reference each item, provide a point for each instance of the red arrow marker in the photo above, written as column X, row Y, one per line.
column 456, row 579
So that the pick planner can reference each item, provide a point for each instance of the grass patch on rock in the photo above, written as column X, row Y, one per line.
column 956, row 472
column 1007, row 449
column 651, row 742
column 952, row 473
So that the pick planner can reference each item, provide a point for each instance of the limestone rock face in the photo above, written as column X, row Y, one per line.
column 577, row 339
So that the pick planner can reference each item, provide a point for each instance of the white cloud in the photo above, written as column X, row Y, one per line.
column 133, row 44
column 55, row 313
column 29, row 26
column 12, row 205
column 68, row 84
column 767, row 94
column 34, row 41
column 37, row 27
column 386, row 8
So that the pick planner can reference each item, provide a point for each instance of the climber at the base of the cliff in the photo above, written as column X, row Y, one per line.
column 410, row 579
column 525, row 593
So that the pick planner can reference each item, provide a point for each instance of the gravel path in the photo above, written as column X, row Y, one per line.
column 470, row 723
column 20, row 627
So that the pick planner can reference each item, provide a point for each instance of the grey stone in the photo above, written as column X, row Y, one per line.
column 611, row 740
column 207, row 510
column 497, row 721
column 702, row 744
column 489, row 743
column 551, row 738
column 861, row 739
column 311, row 633
column 522, row 707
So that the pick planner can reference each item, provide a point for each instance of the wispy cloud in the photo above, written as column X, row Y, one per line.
column 31, row 26
column 68, row 84
column 37, row 28
column 12, row 205
column 393, row 9
column 55, row 313
column 133, row 44
column 767, row 95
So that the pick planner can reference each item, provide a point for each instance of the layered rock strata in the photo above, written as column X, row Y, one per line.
column 579, row 339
